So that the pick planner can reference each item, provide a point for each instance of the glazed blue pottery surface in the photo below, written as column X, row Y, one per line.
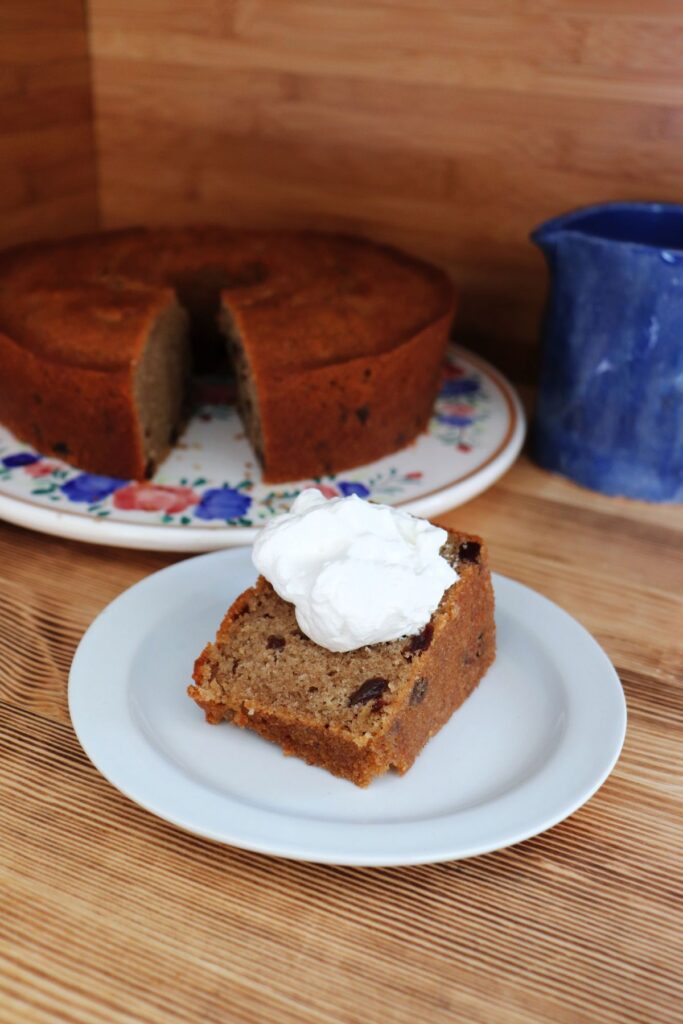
column 610, row 408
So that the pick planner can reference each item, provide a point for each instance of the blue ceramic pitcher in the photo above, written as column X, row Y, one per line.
column 610, row 407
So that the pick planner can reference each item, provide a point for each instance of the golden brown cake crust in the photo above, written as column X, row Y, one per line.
column 426, row 677
column 344, row 339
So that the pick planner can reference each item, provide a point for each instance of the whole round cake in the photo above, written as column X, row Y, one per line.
column 335, row 342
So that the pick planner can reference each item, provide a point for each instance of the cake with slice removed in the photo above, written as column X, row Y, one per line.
column 337, row 344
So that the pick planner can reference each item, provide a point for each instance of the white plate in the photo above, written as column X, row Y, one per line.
column 209, row 494
column 532, row 744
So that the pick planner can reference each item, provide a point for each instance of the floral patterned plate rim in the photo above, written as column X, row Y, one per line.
column 209, row 494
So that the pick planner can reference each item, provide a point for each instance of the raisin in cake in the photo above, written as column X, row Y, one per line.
column 356, row 713
column 336, row 343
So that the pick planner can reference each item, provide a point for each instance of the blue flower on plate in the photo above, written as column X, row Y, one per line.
column 347, row 487
column 463, row 386
column 90, row 487
column 20, row 459
column 222, row 503
column 452, row 420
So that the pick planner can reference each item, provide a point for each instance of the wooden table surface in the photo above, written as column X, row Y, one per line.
column 108, row 914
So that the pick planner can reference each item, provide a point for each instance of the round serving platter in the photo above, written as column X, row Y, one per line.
column 209, row 493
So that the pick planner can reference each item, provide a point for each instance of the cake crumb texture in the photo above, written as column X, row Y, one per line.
column 356, row 713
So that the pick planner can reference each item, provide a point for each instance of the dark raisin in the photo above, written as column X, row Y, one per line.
column 363, row 412
column 235, row 664
column 367, row 373
column 469, row 551
column 61, row 448
column 275, row 643
column 312, row 689
column 420, row 642
column 419, row 691
column 371, row 689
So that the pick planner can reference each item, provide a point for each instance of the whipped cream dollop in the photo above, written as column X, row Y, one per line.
column 357, row 573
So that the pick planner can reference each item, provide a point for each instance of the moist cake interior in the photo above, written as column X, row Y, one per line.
column 247, row 397
column 360, row 712
column 161, row 382
column 193, row 335
column 299, row 677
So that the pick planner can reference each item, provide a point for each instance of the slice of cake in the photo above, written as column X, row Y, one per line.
column 356, row 712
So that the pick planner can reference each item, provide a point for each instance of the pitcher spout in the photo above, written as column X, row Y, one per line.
column 548, row 235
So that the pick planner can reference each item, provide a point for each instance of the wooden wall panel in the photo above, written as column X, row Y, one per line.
column 451, row 127
column 47, row 155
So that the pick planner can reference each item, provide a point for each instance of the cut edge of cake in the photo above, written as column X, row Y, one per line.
column 160, row 386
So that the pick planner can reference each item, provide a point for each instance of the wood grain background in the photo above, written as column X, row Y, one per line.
column 48, row 183
column 111, row 916
column 451, row 127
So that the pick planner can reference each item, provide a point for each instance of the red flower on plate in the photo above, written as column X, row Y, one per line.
column 41, row 468
column 143, row 497
column 460, row 409
column 415, row 475
column 325, row 490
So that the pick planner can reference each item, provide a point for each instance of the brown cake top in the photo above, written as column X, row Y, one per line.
column 300, row 299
